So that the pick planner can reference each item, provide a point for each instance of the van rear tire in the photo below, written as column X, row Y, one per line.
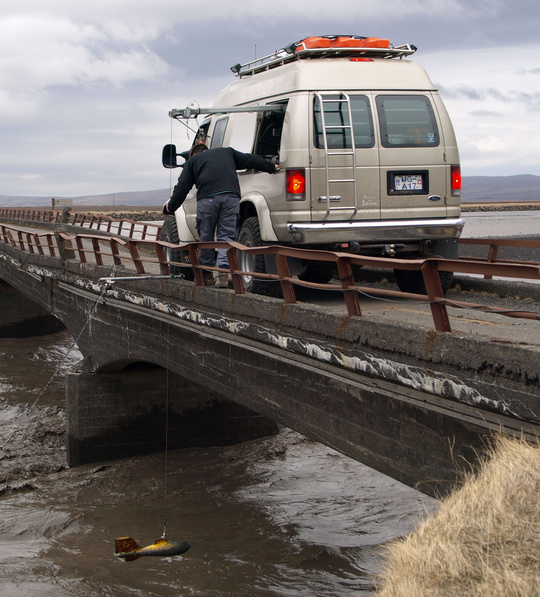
column 250, row 236
column 318, row 273
column 413, row 281
column 169, row 234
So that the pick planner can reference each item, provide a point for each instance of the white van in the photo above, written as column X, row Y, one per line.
column 368, row 156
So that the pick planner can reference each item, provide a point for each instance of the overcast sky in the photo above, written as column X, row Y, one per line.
column 85, row 87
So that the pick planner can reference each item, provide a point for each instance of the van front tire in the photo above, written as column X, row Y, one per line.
column 169, row 234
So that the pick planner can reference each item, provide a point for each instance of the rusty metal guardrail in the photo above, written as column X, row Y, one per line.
column 494, row 244
column 148, row 257
column 31, row 215
column 30, row 242
column 122, row 227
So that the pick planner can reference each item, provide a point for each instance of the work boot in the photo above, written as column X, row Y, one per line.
column 222, row 281
column 208, row 278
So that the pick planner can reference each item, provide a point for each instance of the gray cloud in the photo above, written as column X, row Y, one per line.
column 85, row 88
column 531, row 100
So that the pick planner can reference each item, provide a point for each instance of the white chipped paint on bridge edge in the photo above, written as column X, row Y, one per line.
column 408, row 376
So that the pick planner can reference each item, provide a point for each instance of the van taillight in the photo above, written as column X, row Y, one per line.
column 455, row 173
column 296, row 185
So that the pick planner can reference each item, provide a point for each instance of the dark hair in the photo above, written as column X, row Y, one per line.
column 197, row 148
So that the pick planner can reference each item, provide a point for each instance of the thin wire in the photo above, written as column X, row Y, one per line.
column 166, row 438
column 59, row 367
column 376, row 297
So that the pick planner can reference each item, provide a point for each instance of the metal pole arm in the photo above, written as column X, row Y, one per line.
column 193, row 112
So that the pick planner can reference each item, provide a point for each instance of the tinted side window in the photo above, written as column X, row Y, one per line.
column 219, row 132
column 407, row 121
column 336, row 117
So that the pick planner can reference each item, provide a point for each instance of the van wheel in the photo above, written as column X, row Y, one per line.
column 169, row 234
column 413, row 281
column 250, row 236
column 318, row 273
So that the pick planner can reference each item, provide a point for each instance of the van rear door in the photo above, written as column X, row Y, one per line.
column 344, row 174
column 413, row 171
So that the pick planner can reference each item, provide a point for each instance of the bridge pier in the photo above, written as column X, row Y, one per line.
column 125, row 413
column 20, row 317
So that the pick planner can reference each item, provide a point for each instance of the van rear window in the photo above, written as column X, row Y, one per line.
column 337, row 122
column 407, row 121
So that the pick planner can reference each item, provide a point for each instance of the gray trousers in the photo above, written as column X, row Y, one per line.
column 217, row 219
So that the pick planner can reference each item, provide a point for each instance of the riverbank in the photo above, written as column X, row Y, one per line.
column 484, row 539
column 501, row 206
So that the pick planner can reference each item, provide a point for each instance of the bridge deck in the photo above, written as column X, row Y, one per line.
column 385, row 387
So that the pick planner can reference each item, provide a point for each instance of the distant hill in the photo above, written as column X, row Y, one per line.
column 524, row 187
column 476, row 189
column 134, row 198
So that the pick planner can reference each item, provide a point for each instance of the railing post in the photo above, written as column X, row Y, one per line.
column 52, row 249
column 347, row 281
column 34, row 241
column 65, row 248
column 20, row 236
column 133, row 251
column 164, row 266
column 115, row 252
column 80, row 249
column 194, row 259
column 286, row 285
column 97, row 251
column 492, row 256
column 234, row 267
column 30, row 240
column 435, row 294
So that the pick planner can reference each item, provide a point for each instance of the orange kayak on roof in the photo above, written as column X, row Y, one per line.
column 341, row 41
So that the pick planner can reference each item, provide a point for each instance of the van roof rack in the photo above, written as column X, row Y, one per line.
column 327, row 46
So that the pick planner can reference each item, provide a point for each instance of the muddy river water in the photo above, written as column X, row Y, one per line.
column 498, row 224
column 282, row 516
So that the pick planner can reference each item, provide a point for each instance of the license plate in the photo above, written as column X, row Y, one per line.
column 408, row 182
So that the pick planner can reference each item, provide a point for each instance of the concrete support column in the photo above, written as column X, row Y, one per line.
column 122, row 414
column 20, row 317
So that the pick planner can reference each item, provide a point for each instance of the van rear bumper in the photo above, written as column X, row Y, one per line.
column 377, row 231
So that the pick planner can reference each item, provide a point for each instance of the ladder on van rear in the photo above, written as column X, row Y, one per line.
column 329, row 154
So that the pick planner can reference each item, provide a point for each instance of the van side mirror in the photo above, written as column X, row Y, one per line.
column 168, row 156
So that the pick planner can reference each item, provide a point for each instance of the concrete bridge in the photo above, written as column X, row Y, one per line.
column 168, row 361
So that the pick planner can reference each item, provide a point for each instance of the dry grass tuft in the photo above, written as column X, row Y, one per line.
column 484, row 540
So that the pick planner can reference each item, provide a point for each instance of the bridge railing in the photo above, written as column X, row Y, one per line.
column 494, row 244
column 30, row 215
column 39, row 243
column 133, row 229
column 149, row 258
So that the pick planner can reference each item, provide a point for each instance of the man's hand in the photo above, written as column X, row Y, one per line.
column 166, row 209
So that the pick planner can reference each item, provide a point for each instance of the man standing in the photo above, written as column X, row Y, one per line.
column 213, row 172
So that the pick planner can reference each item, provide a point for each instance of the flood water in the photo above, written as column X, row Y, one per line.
column 282, row 516
column 498, row 224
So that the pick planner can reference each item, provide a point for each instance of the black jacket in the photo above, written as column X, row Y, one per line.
column 213, row 171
